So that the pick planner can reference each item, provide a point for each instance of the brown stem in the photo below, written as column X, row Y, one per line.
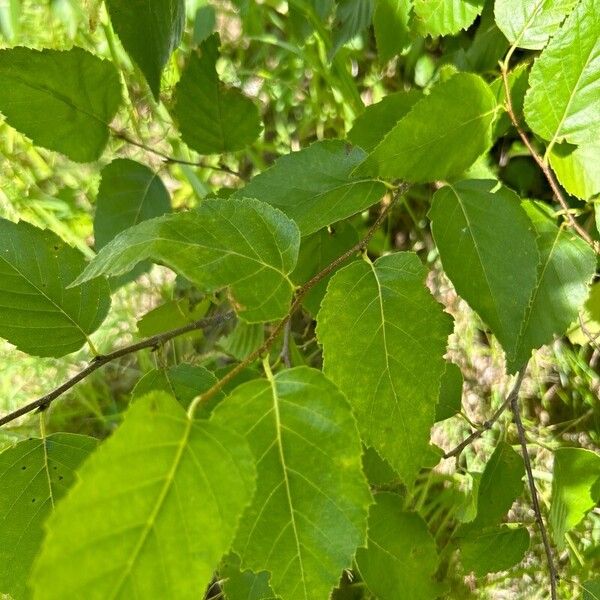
column 99, row 361
column 296, row 304
column 514, row 393
column 172, row 159
column 534, row 498
column 543, row 165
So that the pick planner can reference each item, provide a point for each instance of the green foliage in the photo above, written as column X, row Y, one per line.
column 36, row 268
column 149, row 32
column 76, row 92
column 294, row 209
column 126, row 515
column 34, row 475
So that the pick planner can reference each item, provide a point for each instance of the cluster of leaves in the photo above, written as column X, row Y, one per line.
column 276, row 484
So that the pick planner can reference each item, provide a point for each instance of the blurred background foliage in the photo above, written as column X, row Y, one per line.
column 312, row 70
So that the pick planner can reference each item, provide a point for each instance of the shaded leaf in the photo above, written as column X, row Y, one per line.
column 246, row 245
column 385, row 352
column 34, row 475
column 244, row 585
column 470, row 224
column 310, row 509
column 575, row 472
column 76, row 92
column 351, row 17
column 170, row 315
column 528, row 24
column 401, row 556
column 149, row 31
column 155, row 508
column 391, row 22
column 212, row 117
column 450, row 399
column 36, row 267
column 563, row 101
column 440, row 137
column 314, row 186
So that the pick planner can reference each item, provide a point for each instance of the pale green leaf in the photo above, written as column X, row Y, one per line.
column 563, row 101
column 129, row 193
column 243, row 244
column 567, row 265
column 450, row 400
column 401, row 556
column 317, row 251
column 391, row 22
column 470, row 224
column 577, row 168
column 440, row 137
column 385, row 352
column 155, row 508
column 63, row 100
column 493, row 549
column 530, row 23
column 309, row 513
column 575, row 472
column 34, row 475
column 314, row 186
column 374, row 124
column 445, row 17
column 149, row 31
column 38, row 313
column 212, row 117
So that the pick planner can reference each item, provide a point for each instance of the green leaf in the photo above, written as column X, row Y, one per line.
column 401, row 556
column 518, row 80
column 529, row 24
column 576, row 168
column 494, row 549
column 385, row 352
column 38, row 313
column 129, row 193
column 244, row 244
column 450, row 399
column 34, row 475
column 563, row 101
column 310, row 509
column 391, row 22
column 471, row 223
column 445, row 17
column 374, row 124
column 351, row 17
column 317, row 251
column 440, row 137
column 591, row 589
column 76, row 92
column 244, row 585
column 154, row 510
column 567, row 265
column 243, row 340
column 204, row 23
column 500, row 485
column 183, row 381
column 314, row 186
column 212, row 117
column 172, row 314
column 149, row 31
column 575, row 472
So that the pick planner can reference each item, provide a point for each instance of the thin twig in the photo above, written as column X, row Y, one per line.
column 542, row 164
column 487, row 425
column 172, row 159
column 534, row 498
column 296, row 304
column 285, row 348
column 99, row 361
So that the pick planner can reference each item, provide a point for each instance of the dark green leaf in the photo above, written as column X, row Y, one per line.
column 244, row 585
column 62, row 100
column 351, row 17
column 314, row 186
column 34, row 475
column 38, row 313
column 385, row 351
column 450, row 399
column 392, row 27
column 154, row 510
column 172, row 314
column 149, row 31
column 244, row 244
column 212, row 117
